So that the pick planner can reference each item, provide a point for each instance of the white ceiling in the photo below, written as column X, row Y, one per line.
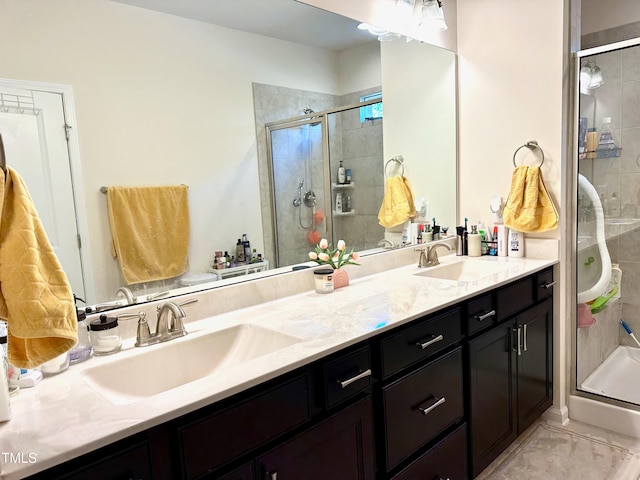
column 284, row 19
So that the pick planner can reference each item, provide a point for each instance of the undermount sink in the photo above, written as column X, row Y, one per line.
column 464, row 270
column 170, row 365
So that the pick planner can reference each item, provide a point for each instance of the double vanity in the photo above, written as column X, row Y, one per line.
column 406, row 373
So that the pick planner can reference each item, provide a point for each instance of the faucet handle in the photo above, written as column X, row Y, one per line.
column 143, row 334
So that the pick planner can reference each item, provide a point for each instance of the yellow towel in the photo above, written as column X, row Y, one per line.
column 35, row 296
column 150, row 231
column 397, row 205
column 529, row 207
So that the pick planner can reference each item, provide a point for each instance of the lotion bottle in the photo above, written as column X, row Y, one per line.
column 474, row 242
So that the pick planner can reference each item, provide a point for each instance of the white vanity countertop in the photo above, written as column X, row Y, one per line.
column 63, row 417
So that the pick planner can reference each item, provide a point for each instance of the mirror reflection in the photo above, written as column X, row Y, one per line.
column 159, row 99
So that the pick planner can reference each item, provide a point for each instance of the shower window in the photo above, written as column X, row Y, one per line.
column 373, row 111
column 608, row 221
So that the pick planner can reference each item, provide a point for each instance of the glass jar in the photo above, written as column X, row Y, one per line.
column 323, row 280
column 104, row 335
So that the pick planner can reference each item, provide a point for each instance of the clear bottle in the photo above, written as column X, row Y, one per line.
column 82, row 350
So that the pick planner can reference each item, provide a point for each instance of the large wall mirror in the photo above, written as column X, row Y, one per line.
column 181, row 97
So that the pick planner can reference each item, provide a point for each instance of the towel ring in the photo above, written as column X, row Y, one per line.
column 399, row 159
column 531, row 145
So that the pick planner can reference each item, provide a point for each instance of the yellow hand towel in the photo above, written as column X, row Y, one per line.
column 150, row 231
column 397, row 205
column 35, row 296
column 529, row 207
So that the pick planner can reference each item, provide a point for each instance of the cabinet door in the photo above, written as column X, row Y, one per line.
column 492, row 387
column 535, row 363
column 341, row 447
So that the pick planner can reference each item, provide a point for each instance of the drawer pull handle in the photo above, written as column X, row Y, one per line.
column 518, row 332
column 548, row 284
column 427, row 410
column 525, row 338
column 360, row 376
column 433, row 340
column 484, row 316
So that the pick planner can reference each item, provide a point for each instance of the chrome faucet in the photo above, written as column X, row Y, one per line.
column 432, row 253
column 422, row 261
column 127, row 294
column 388, row 244
column 169, row 324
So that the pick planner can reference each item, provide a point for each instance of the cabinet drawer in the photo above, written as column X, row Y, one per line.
column 481, row 313
column 544, row 284
column 347, row 376
column 208, row 443
column 448, row 459
column 514, row 297
column 420, row 341
column 421, row 405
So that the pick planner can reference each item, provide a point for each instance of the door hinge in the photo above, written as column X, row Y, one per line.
column 79, row 241
column 67, row 130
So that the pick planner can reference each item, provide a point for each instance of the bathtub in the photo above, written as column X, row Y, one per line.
column 618, row 376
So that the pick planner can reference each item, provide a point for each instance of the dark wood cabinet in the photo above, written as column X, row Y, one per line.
column 491, row 390
column 421, row 405
column 510, row 378
column 439, row 397
column 340, row 447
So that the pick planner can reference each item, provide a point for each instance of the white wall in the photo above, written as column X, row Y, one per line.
column 160, row 100
column 600, row 15
column 420, row 122
column 512, row 65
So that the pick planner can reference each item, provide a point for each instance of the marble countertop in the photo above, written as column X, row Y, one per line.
column 64, row 417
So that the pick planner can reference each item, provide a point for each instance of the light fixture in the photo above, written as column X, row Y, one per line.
column 591, row 76
column 405, row 8
column 433, row 16
column 372, row 29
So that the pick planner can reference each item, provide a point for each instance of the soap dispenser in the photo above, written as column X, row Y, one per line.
column 474, row 242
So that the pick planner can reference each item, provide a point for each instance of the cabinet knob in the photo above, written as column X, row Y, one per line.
column 429, row 342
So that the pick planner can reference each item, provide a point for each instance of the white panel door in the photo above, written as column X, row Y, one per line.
column 36, row 147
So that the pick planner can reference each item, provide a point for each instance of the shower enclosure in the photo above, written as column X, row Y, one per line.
column 304, row 153
column 608, row 121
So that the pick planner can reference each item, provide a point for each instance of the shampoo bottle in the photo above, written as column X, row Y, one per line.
column 342, row 176
column 338, row 202
column 616, row 278
column 240, row 252
column 247, row 248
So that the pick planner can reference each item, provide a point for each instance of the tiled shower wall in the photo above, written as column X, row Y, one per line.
column 359, row 145
column 618, row 98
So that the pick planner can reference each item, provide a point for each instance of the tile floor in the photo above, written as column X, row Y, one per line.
column 575, row 451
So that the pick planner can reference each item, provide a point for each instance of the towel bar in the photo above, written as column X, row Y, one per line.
column 531, row 145
column 399, row 159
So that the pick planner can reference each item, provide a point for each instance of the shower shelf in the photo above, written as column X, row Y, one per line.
column 343, row 185
column 350, row 213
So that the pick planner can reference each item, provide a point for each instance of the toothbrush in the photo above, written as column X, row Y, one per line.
column 626, row 327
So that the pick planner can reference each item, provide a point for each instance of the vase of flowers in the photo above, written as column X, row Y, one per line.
column 336, row 258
